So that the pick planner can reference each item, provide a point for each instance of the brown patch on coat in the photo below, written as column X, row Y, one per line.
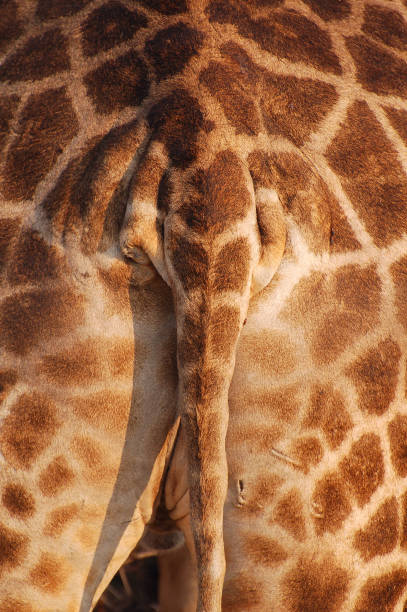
column 370, row 171
column 10, row 26
column 379, row 71
column 380, row 535
column 403, row 542
column 375, row 376
column 95, row 468
column 221, row 196
column 287, row 34
column 28, row 429
column 263, row 550
column 13, row 548
column 81, row 364
column 15, row 605
column 235, row 92
column 52, row 9
column 42, row 56
column 288, row 514
column 58, row 520
column 18, row 501
column 108, row 26
column 327, row 411
column 230, row 271
column 224, row 331
column 166, row 7
column 8, row 379
column 118, row 83
column 308, row 451
column 259, row 495
column 172, row 48
column 9, row 229
column 282, row 404
column 122, row 356
column 192, row 270
column 399, row 274
column 241, row 593
column 397, row 432
column 381, row 594
column 176, row 121
column 42, row 137
column 342, row 237
column 314, row 585
column 363, row 468
column 332, row 504
column 302, row 193
column 34, row 261
column 398, row 119
column 8, row 107
column 386, row 26
column 294, row 107
column 50, row 574
column 330, row 10
column 55, row 477
column 105, row 409
column 271, row 353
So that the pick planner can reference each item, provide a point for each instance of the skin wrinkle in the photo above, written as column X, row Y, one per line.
column 203, row 247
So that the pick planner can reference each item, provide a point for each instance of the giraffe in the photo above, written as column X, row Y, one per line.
column 252, row 157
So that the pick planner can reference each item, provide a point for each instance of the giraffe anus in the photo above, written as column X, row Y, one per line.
column 242, row 163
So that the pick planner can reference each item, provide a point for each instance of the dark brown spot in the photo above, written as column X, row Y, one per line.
column 13, row 547
column 8, row 106
column 385, row 26
column 398, row 444
column 18, row 501
column 379, row 537
column 293, row 107
column 241, row 593
column 108, row 26
column 220, row 197
column 363, row 468
column 52, row 9
column 330, row 9
column 81, row 364
column 375, row 376
column 331, row 504
column 314, row 585
column 58, row 520
column 50, row 574
column 105, row 409
column 381, row 594
column 328, row 412
column 342, row 237
column 56, row 477
column 8, row 379
column 176, row 120
column 223, row 331
column 371, row 173
column 404, row 522
column 264, row 550
column 9, row 229
column 308, row 451
column 38, row 315
column 41, row 138
column 34, row 261
column 378, row 70
column 27, row 429
column 231, row 269
column 91, row 455
column 10, row 26
column 166, row 7
column 172, row 48
column 288, row 514
column 41, row 56
column 190, row 261
column 398, row 119
column 118, row 83
column 399, row 273
column 234, row 91
column 287, row 34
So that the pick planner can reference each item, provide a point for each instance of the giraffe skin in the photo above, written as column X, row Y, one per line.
column 244, row 139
